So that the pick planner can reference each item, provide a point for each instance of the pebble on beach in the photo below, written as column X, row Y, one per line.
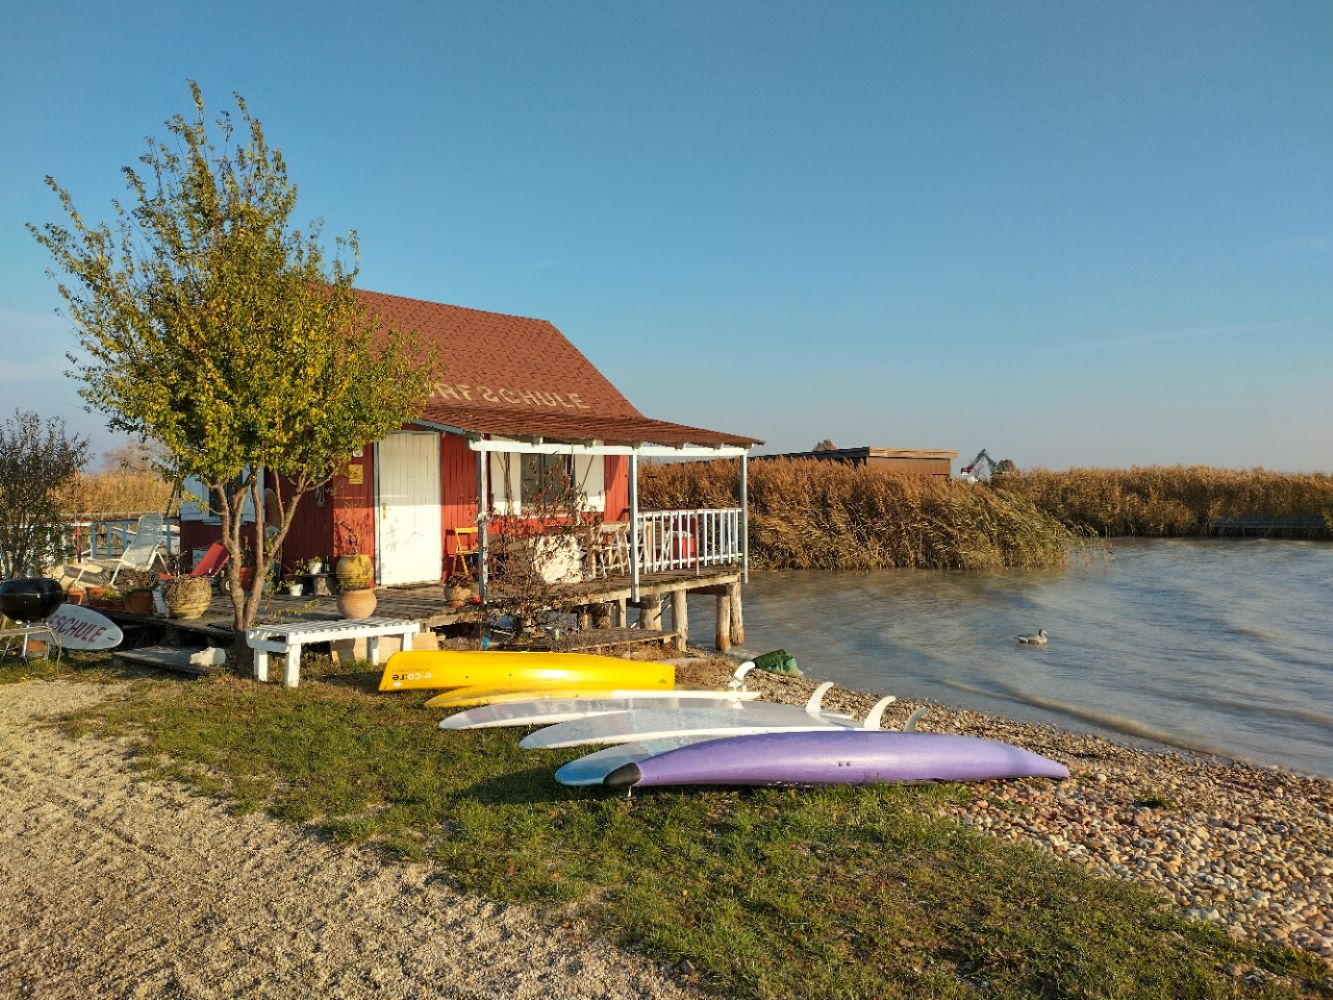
column 1245, row 847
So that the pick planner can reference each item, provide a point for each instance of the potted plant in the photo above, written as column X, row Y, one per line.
column 356, row 578
column 294, row 587
column 137, row 586
column 188, row 596
column 457, row 590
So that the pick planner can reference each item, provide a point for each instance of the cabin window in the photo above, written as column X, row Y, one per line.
column 528, row 483
column 546, row 480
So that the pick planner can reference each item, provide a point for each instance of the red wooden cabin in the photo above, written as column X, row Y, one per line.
column 515, row 396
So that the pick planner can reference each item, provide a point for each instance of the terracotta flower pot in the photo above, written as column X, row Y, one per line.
column 355, row 572
column 73, row 596
column 188, row 596
column 139, row 602
column 356, row 603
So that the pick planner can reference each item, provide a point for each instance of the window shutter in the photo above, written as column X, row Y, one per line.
column 590, row 479
column 505, row 472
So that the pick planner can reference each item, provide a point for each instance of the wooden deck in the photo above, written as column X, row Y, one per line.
column 426, row 606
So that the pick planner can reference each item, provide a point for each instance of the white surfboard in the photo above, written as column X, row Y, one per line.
column 83, row 628
column 592, row 768
column 547, row 711
column 473, row 697
column 733, row 719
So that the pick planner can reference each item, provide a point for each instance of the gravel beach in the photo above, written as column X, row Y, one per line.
column 1246, row 847
column 111, row 885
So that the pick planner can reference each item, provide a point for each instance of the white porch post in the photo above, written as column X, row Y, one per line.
column 634, row 524
column 745, row 518
column 483, row 460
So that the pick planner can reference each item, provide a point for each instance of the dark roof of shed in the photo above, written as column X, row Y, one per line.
column 519, row 377
column 866, row 452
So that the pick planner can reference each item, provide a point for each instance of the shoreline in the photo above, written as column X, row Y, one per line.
column 1246, row 847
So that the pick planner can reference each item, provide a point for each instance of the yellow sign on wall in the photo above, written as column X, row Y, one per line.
column 356, row 474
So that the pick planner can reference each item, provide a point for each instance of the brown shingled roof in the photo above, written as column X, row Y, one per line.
column 520, row 377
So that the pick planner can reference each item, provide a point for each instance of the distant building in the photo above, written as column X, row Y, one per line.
column 909, row 461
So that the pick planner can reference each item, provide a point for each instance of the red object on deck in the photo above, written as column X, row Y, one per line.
column 684, row 547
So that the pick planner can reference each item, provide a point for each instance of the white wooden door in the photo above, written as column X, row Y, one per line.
column 408, row 486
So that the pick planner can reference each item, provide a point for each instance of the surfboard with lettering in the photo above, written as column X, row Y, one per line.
column 83, row 628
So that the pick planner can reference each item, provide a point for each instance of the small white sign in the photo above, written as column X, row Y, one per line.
column 83, row 628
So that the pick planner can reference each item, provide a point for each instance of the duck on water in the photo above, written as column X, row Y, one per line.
column 1032, row 640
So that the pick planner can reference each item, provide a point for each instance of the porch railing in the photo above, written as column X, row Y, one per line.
column 108, row 538
column 687, row 539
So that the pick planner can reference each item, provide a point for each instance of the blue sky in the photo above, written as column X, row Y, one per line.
column 1069, row 233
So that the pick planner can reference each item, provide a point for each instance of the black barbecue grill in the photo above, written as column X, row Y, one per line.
column 29, row 602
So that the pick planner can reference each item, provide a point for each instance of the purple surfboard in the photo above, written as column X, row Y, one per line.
column 835, row 757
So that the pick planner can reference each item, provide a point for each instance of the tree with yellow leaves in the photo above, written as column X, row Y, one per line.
column 208, row 324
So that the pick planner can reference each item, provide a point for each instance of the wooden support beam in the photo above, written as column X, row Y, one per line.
column 650, row 613
column 621, row 616
column 723, row 622
column 680, row 618
column 603, row 614
column 584, row 617
column 737, row 621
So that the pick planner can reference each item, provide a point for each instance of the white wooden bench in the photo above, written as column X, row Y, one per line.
column 288, row 640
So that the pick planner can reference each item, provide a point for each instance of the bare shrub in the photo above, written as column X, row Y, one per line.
column 37, row 460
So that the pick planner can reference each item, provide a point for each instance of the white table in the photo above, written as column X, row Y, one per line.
column 288, row 640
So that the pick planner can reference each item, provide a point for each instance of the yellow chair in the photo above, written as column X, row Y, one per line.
column 465, row 546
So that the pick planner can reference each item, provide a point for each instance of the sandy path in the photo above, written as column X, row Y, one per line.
column 110, row 886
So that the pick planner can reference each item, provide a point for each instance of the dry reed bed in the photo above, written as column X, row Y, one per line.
column 1173, row 501
column 806, row 514
column 109, row 494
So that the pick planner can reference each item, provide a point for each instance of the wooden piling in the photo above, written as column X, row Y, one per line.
column 680, row 618
column 650, row 613
column 620, row 616
column 723, row 622
column 737, row 621
column 584, row 617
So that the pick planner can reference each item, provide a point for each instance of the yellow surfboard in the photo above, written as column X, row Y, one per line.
column 506, row 671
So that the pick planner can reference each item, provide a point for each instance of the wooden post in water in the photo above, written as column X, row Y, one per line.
column 650, row 613
column 680, row 618
column 620, row 616
column 737, row 621
column 602, row 614
column 584, row 617
column 723, row 621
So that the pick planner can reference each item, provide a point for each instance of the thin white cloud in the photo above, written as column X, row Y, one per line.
column 1166, row 336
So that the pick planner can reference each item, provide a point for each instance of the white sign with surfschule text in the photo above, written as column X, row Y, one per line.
column 83, row 628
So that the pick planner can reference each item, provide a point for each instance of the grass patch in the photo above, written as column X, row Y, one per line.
column 73, row 666
column 768, row 893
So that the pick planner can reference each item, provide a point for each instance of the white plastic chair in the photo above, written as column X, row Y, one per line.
column 146, row 547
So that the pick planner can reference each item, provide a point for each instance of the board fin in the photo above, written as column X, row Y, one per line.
column 738, row 678
column 874, row 716
column 910, row 725
column 812, row 706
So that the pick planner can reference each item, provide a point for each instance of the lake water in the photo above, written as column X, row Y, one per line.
column 1223, row 646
